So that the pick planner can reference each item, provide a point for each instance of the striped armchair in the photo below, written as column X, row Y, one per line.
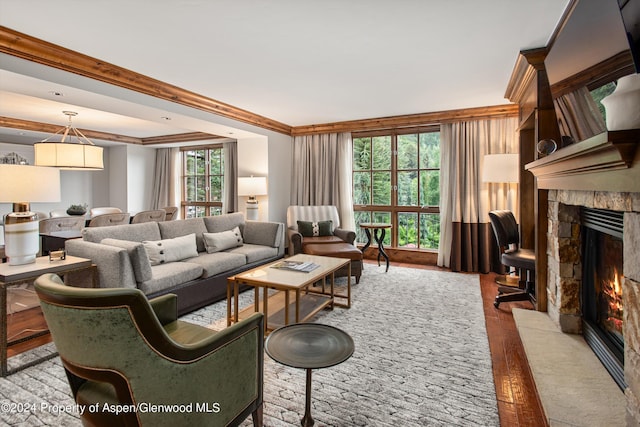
column 327, row 240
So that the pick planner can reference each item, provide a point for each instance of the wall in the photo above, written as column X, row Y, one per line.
column 141, row 163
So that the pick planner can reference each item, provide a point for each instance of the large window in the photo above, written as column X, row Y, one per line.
column 396, row 180
column 202, row 181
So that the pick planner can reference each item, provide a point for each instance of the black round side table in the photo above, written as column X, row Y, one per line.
column 309, row 346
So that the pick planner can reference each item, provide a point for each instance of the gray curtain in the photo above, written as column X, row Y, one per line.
column 165, row 179
column 322, row 167
column 466, row 237
column 230, row 200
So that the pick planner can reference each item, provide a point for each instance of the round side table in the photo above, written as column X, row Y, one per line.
column 309, row 346
column 379, row 231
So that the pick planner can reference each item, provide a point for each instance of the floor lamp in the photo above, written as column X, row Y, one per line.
column 252, row 186
column 503, row 169
column 21, row 185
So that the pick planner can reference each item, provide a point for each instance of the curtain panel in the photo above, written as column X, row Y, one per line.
column 166, row 179
column 321, row 173
column 230, row 191
column 466, row 237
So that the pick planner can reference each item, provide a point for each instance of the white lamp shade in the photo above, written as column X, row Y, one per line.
column 22, row 183
column 500, row 168
column 252, row 186
column 69, row 156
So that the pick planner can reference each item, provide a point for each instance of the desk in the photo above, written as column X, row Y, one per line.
column 14, row 275
column 55, row 240
column 309, row 346
column 379, row 231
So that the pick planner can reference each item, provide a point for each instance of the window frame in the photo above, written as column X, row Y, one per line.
column 392, row 238
column 210, row 207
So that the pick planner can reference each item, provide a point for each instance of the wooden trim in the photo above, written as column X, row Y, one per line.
column 29, row 125
column 598, row 75
column 572, row 167
column 411, row 120
column 9, row 122
column 180, row 137
column 524, row 72
column 42, row 52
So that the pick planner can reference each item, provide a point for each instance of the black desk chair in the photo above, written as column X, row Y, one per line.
column 506, row 231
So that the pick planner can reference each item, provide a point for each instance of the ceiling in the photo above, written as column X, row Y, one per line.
column 297, row 62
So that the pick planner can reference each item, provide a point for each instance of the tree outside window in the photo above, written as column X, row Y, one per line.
column 396, row 180
column 203, row 181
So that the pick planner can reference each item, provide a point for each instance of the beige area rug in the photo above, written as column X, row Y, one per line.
column 421, row 359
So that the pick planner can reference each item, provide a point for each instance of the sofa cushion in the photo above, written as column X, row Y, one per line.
column 132, row 232
column 218, row 223
column 216, row 242
column 171, row 229
column 171, row 250
column 166, row 276
column 137, row 255
column 315, row 228
column 217, row 262
column 255, row 253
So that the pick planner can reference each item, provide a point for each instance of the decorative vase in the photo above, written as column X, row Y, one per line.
column 623, row 105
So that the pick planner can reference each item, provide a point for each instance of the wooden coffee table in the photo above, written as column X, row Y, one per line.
column 294, row 300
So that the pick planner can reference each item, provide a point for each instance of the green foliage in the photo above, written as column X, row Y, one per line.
column 417, row 174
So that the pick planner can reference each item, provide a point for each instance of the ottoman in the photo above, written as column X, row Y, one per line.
column 338, row 250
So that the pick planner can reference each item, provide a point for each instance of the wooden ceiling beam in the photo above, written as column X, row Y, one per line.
column 397, row 122
column 12, row 123
column 40, row 51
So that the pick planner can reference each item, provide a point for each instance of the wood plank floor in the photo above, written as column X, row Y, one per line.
column 518, row 402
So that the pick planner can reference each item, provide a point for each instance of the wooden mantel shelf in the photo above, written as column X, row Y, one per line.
column 605, row 162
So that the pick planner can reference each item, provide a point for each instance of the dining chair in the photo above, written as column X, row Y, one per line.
column 104, row 210
column 156, row 215
column 172, row 212
column 61, row 223
column 109, row 219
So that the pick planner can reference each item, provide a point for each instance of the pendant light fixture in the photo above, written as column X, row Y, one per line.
column 79, row 155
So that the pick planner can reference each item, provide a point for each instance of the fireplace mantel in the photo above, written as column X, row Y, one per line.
column 609, row 161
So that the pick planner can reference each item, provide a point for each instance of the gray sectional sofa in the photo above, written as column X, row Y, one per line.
column 191, row 258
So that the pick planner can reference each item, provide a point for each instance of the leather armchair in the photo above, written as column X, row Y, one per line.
column 339, row 243
column 119, row 348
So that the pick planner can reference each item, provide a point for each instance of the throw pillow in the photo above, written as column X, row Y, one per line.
column 314, row 229
column 137, row 255
column 216, row 242
column 171, row 250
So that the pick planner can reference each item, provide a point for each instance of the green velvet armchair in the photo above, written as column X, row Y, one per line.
column 129, row 360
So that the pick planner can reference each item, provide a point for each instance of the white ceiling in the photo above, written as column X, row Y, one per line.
column 299, row 62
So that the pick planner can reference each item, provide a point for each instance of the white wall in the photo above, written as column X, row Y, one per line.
column 141, row 163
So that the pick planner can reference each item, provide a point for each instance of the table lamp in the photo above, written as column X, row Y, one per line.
column 252, row 186
column 21, row 185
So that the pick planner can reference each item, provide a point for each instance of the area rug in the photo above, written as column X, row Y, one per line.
column 421, row 359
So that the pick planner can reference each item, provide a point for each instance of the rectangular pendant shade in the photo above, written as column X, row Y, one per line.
column 68, row 156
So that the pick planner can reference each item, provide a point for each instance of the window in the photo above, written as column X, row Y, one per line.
column 396, row 179
column 202, row 181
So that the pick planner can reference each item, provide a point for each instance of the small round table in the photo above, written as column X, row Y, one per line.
column 379, row 230
column 309, row 346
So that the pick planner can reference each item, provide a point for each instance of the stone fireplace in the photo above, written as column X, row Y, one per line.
column 565, row 272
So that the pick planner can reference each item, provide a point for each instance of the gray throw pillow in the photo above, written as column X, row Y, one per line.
column 171, row 250
column 216, row 242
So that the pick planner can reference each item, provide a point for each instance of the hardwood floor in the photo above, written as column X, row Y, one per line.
column 518, row 402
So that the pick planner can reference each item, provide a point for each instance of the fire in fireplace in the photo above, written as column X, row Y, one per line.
column 602, row 269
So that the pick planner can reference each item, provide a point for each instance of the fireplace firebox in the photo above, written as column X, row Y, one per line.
column 601, row 295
